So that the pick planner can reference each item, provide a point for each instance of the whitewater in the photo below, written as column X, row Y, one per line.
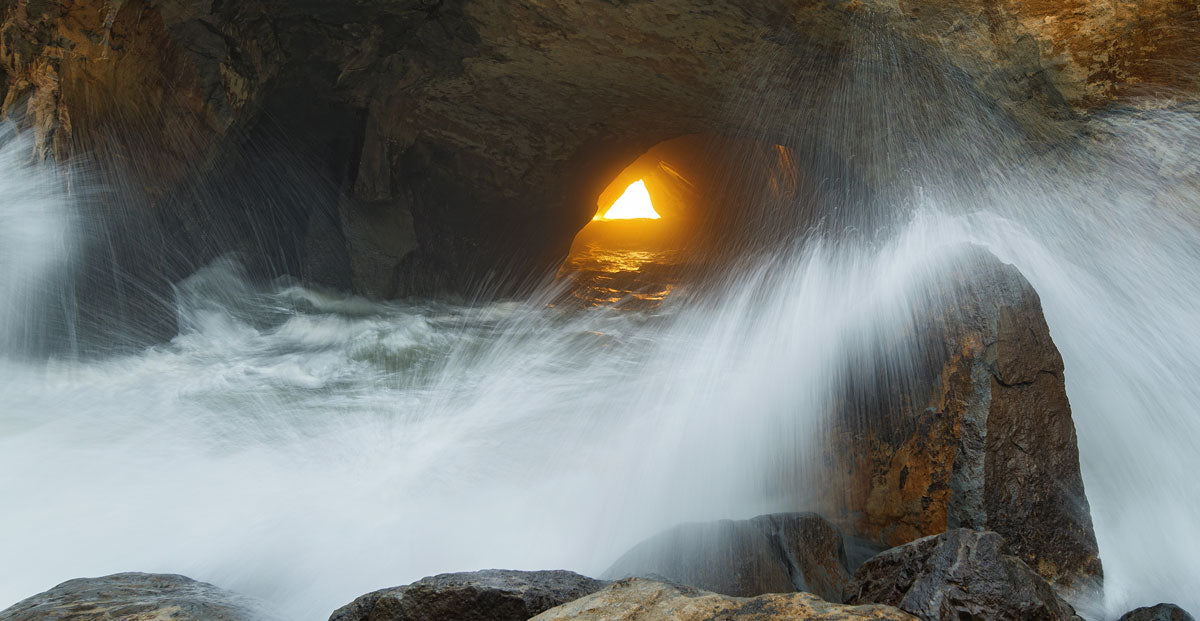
column 306, row 446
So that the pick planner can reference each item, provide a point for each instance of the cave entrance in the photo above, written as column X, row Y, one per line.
column 628, row 255
column 678, row 212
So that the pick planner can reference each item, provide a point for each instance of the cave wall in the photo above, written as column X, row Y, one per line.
column 430, row 145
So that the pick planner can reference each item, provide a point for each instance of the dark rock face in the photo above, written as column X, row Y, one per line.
column 777, row 553
column 435, row 145
column 957, row 576
column 489, row 595
column 967, row 425
column 638, row 599
column 1160, row 612
column 132, row 597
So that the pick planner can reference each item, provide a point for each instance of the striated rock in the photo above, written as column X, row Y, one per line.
column 135, row 597
column 1159, row 612
column 638, row 599
column 957, row 576
column 489, row 595
column 776, row 553
column 963, row 421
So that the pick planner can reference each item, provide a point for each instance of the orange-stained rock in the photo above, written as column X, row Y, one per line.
column 978, row 434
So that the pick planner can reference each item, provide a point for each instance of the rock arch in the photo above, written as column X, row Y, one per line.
column 460, row 141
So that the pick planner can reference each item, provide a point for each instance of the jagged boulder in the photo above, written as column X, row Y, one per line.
column 638, row 599
column 135, row 597
column 963, row 421
column 489, row 595
column 960, row 575
column 1159, row 612
column 776, row 553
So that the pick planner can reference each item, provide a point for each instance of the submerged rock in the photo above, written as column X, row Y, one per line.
column 960, row 575
column 776, row 553
column 488, row 595
column 639, row 599
column 1159, row 612
column 135, row 597
column 963, row 421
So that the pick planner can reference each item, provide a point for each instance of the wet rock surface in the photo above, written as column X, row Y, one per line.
column 776, row 553
column 813, row 551
column 955, row 576
column 135, row 597
column 638, row 599
column 489, row 595
column 1159, row 612
column 967, row 424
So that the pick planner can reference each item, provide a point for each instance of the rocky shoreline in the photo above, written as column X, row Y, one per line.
column 960, row 574
column 975, row 510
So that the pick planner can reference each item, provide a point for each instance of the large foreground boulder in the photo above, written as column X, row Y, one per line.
column 135, row 597
column 777, row 553
column 489, row 595
column 961, row 420
column 961, row 575
column 639, row 599
column 1160, row 612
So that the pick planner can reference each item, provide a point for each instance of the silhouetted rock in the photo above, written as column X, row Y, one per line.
column 960, row 575
column 776, row 553
column 489, row 595
column 963, row 421
column 1159, row 612
column 135, row 597
column 638, row 599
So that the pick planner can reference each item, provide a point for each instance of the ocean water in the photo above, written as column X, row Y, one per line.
column 306, row 446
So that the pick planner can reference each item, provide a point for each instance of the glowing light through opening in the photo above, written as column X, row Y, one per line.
column 634, row 204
